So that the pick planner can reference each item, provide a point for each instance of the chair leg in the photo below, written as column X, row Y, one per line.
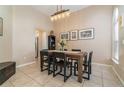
column 49, row 66
column 65, row 72
column 75, row 69
column 49, row 69
column 77, row 66
column 70, row 69
column 60, row 69
column 53, row 69
column 41, row 64
column 88, row 72
column 85, row 68
column 90, row 69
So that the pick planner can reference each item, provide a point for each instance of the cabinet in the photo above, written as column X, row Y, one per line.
column 51, row 42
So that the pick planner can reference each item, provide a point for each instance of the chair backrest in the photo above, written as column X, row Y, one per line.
column 90, row 57
column 44, row 52
column 59, row 55
column 65, row 49
column 78, row 50
column 85, row 58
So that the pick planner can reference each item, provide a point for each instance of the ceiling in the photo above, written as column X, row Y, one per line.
column 50, row 9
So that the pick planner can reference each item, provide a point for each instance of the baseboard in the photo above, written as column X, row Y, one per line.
column 119, row 77
column 102, row 64
column 22, row 65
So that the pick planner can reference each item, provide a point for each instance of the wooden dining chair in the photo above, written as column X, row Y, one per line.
column 78, row 50
column 60, row 60
column 73, row 60
column 87, row 65
column 44, row 59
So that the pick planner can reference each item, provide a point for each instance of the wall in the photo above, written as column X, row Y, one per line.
column 98, row 17
column 26, row 21
column 120, row 67
column 6, row 39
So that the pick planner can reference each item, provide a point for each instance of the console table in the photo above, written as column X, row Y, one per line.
column 7, row 69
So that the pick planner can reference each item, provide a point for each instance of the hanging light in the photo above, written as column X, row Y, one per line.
column 62, row 13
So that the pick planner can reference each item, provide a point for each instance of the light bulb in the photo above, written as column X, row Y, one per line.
column 63, row 15
column 59, row 16
column 68, row 13
column 55, row 17
column 52, row 18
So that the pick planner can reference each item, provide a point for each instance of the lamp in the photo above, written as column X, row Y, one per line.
column 59, row 14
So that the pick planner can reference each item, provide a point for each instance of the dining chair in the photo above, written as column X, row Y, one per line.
column 60, row 60
column 44, row 59
column 77, row 50
column 87, row 65
column 73, row 60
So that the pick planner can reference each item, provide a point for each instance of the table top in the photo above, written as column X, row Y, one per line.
column 75, row 53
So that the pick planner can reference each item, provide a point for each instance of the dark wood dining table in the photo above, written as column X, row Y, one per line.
column 77, row 55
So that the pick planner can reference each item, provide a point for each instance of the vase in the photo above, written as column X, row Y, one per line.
column 62, row 48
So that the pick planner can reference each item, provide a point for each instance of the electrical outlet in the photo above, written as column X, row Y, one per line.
column 24, row 57
column 123, row 42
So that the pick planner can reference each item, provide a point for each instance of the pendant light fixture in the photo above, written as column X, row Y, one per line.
column 60, row 13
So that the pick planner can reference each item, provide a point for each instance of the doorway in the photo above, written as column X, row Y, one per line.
column 41, row 41
column 36, row 43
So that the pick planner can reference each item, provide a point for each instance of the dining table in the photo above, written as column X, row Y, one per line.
column 73, row 54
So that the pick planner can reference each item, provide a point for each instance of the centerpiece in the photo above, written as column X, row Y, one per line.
column 62, row 43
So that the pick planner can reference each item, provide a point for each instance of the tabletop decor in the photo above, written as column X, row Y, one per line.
column 62, row 43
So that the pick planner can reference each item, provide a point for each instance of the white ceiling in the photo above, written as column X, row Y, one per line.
column 50, row 9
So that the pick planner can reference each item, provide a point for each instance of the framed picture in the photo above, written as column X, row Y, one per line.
column 74, row 35
column 86, row 33
column 64, row 35
column 1, row 26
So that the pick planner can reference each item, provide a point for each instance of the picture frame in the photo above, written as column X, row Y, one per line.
column 86, row 34
column 64, row 35
column 1, row 26
column 74, row 35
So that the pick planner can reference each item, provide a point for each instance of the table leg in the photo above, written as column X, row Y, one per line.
column 80, row 73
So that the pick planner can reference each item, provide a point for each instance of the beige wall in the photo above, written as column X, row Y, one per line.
column 98, row 17
column 6, row 39
column 120, row 67
column 25, row 22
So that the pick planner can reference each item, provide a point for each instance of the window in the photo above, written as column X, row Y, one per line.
column 115, row 40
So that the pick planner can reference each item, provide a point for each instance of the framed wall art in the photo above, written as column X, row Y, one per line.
column 86, row 34
column 64, row 35
column 1, row 26
column 74, row 35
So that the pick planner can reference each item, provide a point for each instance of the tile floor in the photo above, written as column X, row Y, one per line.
column 30, row 76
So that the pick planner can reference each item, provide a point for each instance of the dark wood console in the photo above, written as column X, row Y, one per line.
column 7, row 69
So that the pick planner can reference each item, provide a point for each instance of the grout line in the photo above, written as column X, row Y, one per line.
column 102, row 79
column 30, row 77
column 120, row 79
column 116, row 73
column 12, row 84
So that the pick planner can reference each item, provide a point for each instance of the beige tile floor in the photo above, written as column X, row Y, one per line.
column 30, row 76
